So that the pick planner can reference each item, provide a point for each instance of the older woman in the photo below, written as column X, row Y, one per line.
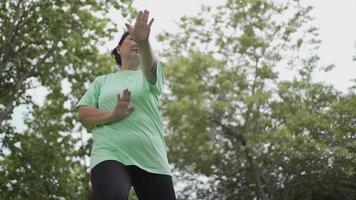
column 128, row 144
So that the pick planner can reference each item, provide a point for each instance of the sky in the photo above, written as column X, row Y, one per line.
column 335, row 20
column 337, row 23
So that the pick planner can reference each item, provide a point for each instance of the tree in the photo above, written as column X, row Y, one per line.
column 44, row 163
column 44, row 44
column 235, row 122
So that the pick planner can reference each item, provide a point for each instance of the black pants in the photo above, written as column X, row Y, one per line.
column 111, row 180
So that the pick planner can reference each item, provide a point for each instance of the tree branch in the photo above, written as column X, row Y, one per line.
column 9, row 106
column 19, row 83
column 257, row 175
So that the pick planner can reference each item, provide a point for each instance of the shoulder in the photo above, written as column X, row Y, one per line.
column 102, row 78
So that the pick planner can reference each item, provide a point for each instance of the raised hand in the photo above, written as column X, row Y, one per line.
column 122, row 109
column 140, row 32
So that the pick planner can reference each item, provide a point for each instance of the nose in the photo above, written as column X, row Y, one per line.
column 134, row 44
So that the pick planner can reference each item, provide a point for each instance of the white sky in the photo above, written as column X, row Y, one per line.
column 337, row 23
column 335, row 19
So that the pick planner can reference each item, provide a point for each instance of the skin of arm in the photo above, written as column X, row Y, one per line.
column 94, row 116
column 148, row 61
column 140, row 34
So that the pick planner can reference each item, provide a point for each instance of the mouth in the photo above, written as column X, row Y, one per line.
column 135, row 49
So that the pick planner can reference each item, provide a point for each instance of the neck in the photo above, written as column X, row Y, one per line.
column 130, row 65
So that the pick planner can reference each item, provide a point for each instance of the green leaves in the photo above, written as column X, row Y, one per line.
column 267, row 138
column 42, row 44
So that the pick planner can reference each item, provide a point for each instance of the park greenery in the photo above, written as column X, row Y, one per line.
column 235, row 127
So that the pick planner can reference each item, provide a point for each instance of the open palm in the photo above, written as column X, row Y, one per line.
column 140, row 32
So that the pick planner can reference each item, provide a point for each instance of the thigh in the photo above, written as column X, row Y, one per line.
column 110, row 180
column 150, row 186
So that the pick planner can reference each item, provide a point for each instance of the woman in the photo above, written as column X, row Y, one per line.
column 128, row 144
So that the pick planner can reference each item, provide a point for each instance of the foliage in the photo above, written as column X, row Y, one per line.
column 234, row 121
column 51, row 45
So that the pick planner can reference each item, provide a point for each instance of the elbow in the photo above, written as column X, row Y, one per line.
column 82, row 120
column 80, row 116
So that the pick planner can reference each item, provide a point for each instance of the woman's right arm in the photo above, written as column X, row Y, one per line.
column 94, row 116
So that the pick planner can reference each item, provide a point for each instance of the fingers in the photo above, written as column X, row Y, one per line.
column 130, row 110
column 123, row 108
column 126, row 95
column 139, row 16
column 142, row 17
column 145, row 16
column 151, row 21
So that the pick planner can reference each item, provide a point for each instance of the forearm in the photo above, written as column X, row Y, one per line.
column 93, row 116
column 147, row 61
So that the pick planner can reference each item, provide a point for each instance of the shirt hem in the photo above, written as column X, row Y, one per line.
column 127, row 163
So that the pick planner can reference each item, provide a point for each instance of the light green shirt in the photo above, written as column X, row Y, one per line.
column 138, row 139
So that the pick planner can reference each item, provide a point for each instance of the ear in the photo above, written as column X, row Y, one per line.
column 118, row 49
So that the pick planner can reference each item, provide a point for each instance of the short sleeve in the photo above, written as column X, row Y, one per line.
column 91, row 96
column 156, row 88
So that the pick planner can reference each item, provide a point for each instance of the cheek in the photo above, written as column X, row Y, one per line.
column 124, row 50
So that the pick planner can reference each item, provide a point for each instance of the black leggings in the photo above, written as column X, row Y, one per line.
column 111, row 180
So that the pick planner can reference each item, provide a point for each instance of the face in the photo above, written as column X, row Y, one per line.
column 128, row 49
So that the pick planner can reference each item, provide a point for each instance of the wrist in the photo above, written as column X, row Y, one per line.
column 111, row 117
column 143, row 44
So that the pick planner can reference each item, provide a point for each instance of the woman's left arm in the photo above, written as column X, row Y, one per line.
column 140, row 33
column 148, row 62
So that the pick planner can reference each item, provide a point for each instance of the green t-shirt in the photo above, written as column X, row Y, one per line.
column 138, row 139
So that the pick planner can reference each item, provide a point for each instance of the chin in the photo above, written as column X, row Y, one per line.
column 134, row 54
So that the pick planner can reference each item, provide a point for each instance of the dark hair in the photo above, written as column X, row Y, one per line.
column 114, row 51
